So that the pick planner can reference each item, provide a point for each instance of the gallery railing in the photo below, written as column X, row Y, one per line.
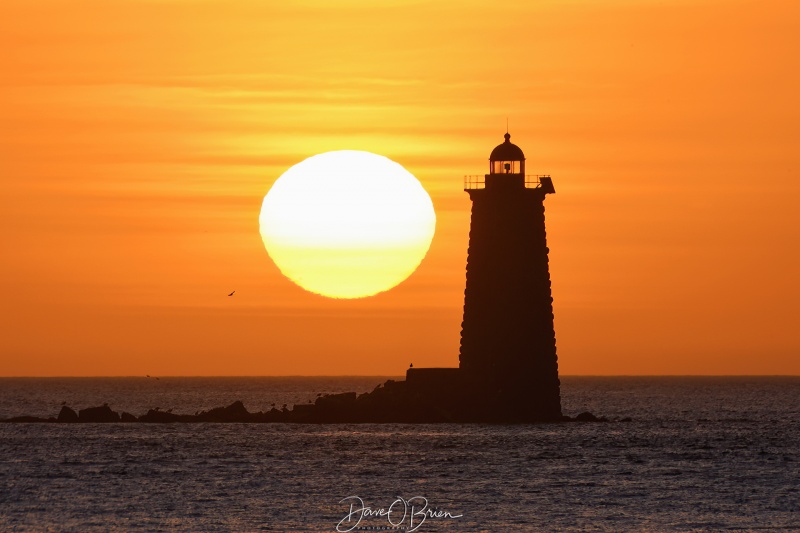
column 478, row 181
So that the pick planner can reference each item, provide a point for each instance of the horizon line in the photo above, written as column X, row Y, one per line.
column 384, row 376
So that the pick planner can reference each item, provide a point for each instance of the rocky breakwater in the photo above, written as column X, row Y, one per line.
column 390, row 402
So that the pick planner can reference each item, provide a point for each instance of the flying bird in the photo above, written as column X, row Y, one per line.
column 231, row 294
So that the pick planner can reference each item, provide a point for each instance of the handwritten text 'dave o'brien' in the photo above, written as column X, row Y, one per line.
column 407, row 514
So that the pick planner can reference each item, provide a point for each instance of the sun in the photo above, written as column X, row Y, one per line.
column 347, row 224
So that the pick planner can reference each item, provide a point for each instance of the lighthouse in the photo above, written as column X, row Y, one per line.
column 508, row 369
column 508, row 345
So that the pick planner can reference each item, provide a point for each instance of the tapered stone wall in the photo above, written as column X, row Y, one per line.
column 508, row 346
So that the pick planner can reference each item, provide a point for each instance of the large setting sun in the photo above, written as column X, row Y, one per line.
column 347, row 224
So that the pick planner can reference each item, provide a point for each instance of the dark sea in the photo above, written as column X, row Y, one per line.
column 680, row 454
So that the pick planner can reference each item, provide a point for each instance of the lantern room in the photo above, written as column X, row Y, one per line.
column 507, row 158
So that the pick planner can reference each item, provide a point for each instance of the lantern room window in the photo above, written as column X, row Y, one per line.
column 505, row 167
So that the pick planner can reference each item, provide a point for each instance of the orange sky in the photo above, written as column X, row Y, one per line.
column 137, row 140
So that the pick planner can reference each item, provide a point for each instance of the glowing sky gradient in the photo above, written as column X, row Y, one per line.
column 137, row 141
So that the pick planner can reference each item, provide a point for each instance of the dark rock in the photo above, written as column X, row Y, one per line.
column 274, row 415
column 67, row 415
column 586, row 417
column 127, row 417
column 158, row 417
column 333, row 401
column 235, row 412
column 304, row 413
column 98, row 415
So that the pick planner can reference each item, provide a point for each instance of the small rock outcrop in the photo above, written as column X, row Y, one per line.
column 235, row 412
column 67, row 415
column 154, row 416
column 589, row 417
column 98, row 415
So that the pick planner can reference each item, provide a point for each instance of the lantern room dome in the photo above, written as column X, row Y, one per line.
column 507, row 151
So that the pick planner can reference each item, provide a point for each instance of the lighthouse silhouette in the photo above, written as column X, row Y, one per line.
column 508, row 368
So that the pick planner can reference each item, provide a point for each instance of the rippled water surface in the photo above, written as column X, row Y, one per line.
column 699, row 454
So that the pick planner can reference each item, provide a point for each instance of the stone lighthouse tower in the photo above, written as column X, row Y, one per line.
column 508, row 346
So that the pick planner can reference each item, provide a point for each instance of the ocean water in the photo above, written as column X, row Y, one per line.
column 698, row 454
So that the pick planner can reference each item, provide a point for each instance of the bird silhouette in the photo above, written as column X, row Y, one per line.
column 411, row 365
column 231, row 294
